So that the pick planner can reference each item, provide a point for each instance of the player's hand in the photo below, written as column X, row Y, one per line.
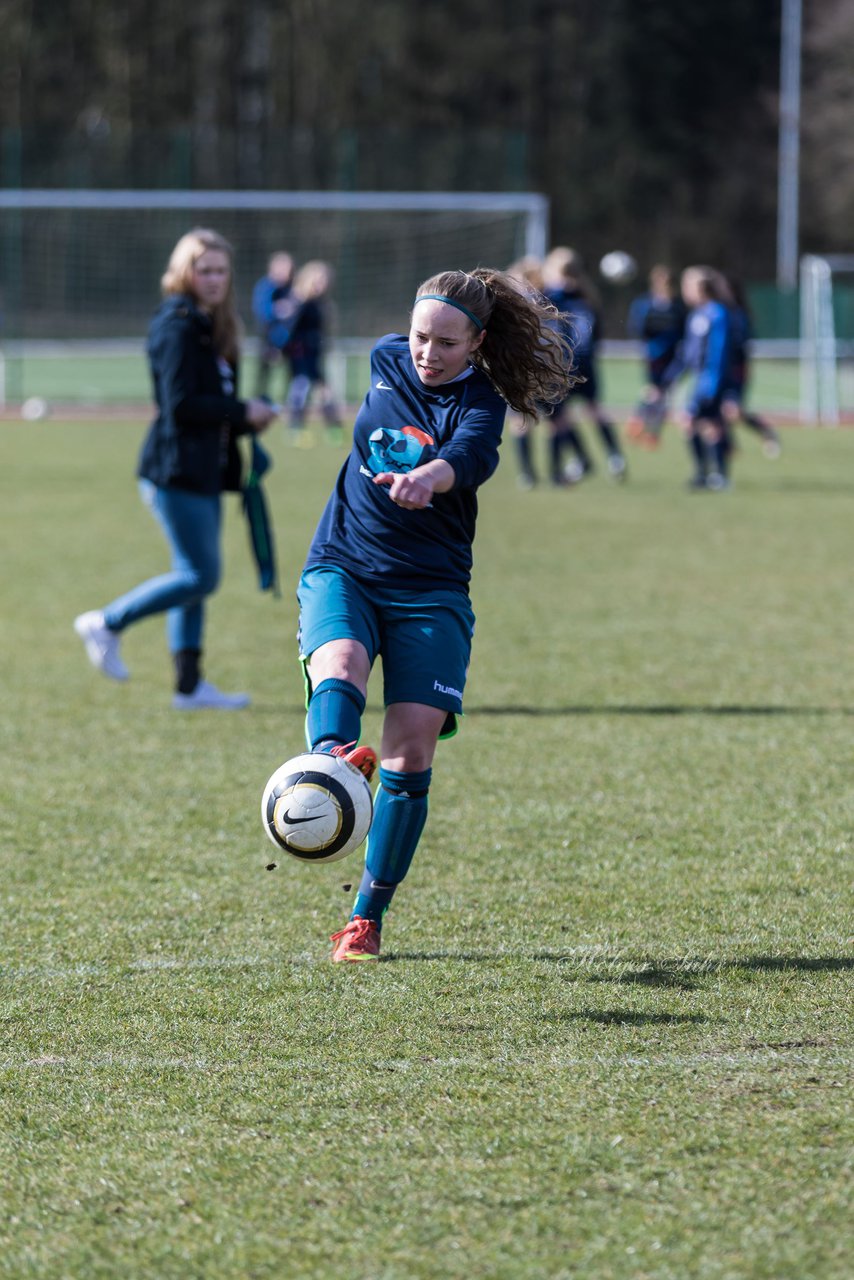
column 407, row 489
column 260, row 413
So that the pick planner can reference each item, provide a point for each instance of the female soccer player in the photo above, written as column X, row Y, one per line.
column 388, row 569
column 659, row 319
column 528, row 272
column 734, row 405
column 705, row 353
column 568, row 288
column 307, row 339
column 273, row 307
column 189, row 457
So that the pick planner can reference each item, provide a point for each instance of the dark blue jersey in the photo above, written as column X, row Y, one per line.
column 739, row 353
column 307, row 339
column 308, row 328
column 740, row 334
column 273, row 307
column 579, row 322
column 660, row 322
column 401, row 425
column 705, row 352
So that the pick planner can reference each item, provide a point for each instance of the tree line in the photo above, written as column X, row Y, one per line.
column 650, row 124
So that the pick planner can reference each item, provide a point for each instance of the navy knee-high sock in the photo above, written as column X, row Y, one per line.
column 720, row 456
column 334, row 716
column 556, row 443
column 698, row 452
column 400, row 811
column 523, row 452
column 608, row 433
column 573, row 439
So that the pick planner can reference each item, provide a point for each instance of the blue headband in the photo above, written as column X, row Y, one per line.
column 452, row 302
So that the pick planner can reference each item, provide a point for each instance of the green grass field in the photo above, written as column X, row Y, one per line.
column 610, row 1036
column 102, row 379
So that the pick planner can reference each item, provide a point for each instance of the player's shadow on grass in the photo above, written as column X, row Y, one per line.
column 791, row 484
column 625, row 1018
column 687, row 975
column 658, row 709
column 605, row 709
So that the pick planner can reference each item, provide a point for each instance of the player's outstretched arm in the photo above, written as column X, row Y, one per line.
column 414, row 489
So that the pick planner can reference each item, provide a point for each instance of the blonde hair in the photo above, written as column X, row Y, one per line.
column 559, row 263
column 528, row 270
column 564, row 266
column 313, row 279
column 523, row 353
column 711, row 283
column 178, row 279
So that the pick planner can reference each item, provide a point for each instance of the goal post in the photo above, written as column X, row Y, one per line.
column 826, row 338
column 85, row 264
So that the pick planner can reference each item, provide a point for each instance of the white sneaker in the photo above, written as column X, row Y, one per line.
column 102, row 644
column 617, row 466
column 206, row 697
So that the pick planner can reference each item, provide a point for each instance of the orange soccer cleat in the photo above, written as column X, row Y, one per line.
column 362, row 758
column 358, row 940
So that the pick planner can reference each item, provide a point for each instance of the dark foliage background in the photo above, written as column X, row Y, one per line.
column 651, row 124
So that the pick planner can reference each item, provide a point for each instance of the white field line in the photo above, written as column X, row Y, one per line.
column 150, row 964
column 608, row 957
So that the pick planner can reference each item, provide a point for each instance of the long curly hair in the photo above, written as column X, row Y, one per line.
column 178, row 278
column 523, row 353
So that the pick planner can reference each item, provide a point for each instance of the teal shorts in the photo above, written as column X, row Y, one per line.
column 423, row 637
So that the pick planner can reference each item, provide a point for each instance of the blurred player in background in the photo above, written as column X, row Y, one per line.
column 658, row 319
column 273, row 308
column 570, row 291
column 305, row 351
column 735, row 391
column 388, row 569
column 528, row 271
column 189, row 458
column 704, row 354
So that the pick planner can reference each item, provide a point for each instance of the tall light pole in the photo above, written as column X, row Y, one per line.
column 789, row 146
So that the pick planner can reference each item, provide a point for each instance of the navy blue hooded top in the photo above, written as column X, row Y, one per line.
column 403, row 424
column 191, row 444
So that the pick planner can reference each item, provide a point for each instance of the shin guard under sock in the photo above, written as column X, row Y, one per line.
column 400, row 811
column 523, row 453
column 609, row 436
column 698, row 452
column 334, row 714
column 571, row 437
column 720, row 456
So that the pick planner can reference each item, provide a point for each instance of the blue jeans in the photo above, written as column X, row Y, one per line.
column 191, row 523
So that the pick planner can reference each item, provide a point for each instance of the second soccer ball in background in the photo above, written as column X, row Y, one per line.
column 618, row 267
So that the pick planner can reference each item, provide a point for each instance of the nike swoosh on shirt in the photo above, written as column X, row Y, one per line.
column 383, row 386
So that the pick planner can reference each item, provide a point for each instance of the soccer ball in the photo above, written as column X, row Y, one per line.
column 34, row 409
column 317, row 807
column 618, row 267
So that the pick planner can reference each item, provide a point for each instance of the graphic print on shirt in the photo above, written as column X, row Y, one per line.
column 399, row 450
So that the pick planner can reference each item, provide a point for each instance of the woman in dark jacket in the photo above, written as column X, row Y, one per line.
column 189, row 458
